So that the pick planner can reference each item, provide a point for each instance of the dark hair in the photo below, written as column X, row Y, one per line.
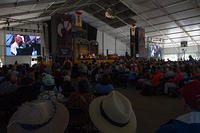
column 105, row 79
column 67, row 66
column 83, row 86
column 23, row 94
column 67, row 88
column 26, row 81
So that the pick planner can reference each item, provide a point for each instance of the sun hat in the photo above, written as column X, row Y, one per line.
column 113, row 114
column 48, row 80
column 191, row 93
column 39, row 116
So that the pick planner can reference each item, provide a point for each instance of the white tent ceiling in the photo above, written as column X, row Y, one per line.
column 171, row 20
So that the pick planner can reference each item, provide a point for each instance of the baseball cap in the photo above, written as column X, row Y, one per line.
column 191, row 93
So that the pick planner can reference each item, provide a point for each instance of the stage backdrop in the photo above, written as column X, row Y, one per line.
column 61, row 35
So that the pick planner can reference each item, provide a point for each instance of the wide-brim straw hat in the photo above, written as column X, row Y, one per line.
column 113, row 114
column 41, row 116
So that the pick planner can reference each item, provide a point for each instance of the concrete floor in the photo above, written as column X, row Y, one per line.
column 153, row 111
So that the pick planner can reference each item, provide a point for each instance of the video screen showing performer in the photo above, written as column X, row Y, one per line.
column 155, row 51
column 22, row 45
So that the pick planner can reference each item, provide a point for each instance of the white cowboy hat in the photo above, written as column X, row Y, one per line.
column 113, row 114
column 40, row 116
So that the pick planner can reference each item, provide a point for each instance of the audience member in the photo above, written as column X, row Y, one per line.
column 78, row 105
column 105, row 86
column 72, row 85
column 48, row 88
column 67, row 88
column 82, row 97
column 189, row 122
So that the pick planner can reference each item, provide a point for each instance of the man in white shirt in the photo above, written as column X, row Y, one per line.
column 16, row 44
column 14, row 48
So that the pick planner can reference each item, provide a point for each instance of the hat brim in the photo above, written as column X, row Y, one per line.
column 57, row 125
column 105, row 126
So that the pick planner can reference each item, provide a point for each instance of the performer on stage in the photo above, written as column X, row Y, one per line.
column 16, row 45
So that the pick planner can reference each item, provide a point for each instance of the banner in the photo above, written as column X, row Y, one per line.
column 64, row 35
column 133, row 31
column 141, row 43
column 132, row 40
column 78, row 22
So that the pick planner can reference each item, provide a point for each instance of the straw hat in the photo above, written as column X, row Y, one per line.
column 113, row 114
column 40, row 116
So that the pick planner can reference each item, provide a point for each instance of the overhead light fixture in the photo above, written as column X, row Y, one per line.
column 109, row 14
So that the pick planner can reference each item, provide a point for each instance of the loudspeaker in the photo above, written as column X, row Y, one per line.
column 184, row 44
column 137, row 40
column 132, row 48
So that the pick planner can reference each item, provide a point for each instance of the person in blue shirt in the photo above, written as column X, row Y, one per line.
column 105, row 86
column 189, row 122
column 132, row 76
column 48, row 88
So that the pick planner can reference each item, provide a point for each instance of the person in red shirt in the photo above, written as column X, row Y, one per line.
column 157, row 77
column 196, row 72
column 179, row 76
column 189, row 122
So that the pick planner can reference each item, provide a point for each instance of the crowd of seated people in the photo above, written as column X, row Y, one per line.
column 165, row 78
column 81, row 97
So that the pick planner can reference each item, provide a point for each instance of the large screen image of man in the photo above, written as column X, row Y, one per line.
column 64, row 34
column 22, row 45
column 155, row 51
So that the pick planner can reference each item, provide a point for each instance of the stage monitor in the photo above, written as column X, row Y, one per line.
column 17, row 44
column 155, row 51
